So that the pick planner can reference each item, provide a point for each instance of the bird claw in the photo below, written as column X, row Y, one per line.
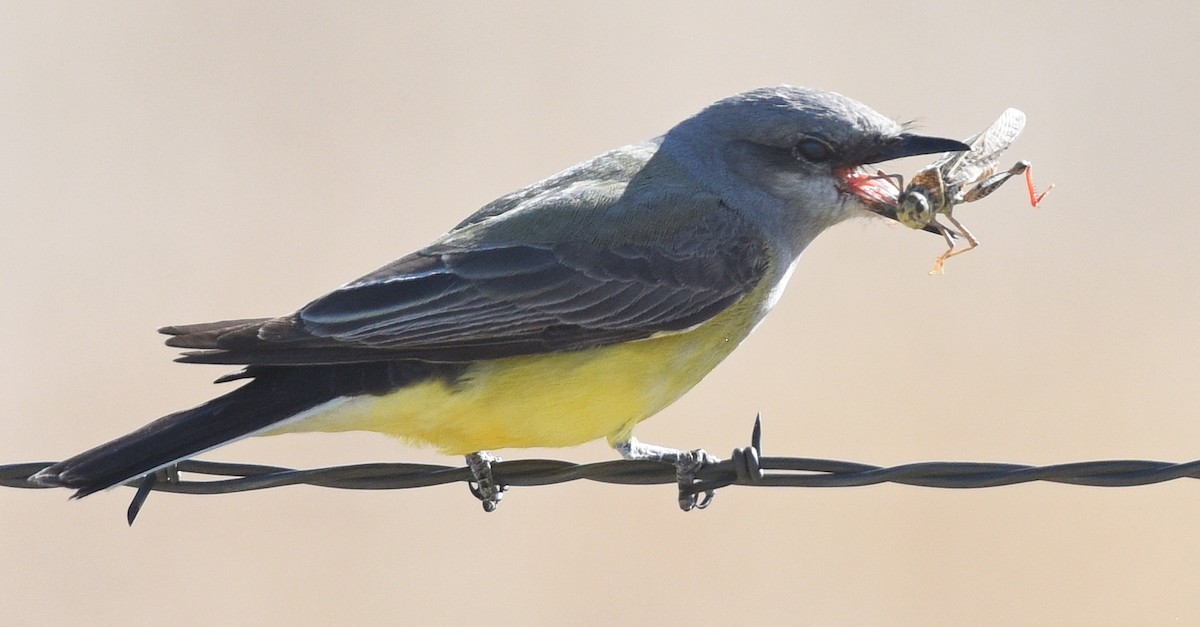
column 484, row 487
column 687, row 467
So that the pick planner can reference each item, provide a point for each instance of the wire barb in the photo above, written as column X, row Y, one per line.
column 746, row 467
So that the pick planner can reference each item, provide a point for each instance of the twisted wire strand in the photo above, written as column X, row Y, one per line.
column 746, row 466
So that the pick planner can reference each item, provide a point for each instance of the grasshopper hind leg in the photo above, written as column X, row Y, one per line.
column 993, row 182
column 1035, row 198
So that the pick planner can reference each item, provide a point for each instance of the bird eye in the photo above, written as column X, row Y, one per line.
column 812, row 150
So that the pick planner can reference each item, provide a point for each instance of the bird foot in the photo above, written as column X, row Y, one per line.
column 687, row 466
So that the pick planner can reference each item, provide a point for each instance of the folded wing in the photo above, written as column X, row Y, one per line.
column 494, row 301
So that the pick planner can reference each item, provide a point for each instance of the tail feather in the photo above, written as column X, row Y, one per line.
column 211, row 334
column 273, row 395
column 248, row 409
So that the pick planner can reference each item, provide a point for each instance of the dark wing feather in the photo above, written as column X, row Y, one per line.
column 494, row 302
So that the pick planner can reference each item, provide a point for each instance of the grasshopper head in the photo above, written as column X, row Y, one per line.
column 913, row 209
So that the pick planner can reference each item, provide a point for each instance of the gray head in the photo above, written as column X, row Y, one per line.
column 794, row 156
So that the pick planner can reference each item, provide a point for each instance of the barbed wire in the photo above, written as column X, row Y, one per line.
column 746, row 467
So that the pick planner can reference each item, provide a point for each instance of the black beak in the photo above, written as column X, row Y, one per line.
column 909, row 145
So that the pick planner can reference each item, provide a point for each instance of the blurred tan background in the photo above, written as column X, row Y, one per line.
column 170, row 164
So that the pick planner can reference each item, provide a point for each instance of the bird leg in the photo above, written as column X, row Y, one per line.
column 687, row 465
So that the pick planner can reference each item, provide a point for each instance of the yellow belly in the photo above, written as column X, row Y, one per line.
column 551, row 400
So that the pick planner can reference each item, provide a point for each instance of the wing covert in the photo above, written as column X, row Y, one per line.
column 502, row 300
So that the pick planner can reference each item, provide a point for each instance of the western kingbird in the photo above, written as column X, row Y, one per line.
column 564, row 312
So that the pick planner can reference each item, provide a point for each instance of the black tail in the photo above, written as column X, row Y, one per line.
column 252, row 407
column 275, row 394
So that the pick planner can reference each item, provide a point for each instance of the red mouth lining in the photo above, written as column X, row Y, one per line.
column 871, row 187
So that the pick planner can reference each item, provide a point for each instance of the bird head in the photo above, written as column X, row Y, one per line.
column 797, row 157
